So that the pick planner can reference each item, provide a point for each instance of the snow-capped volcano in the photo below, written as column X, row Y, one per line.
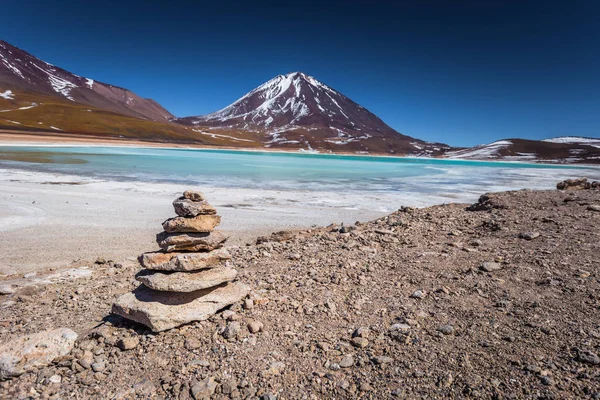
column 296, row 110
column 19, row 69
column 295, row 99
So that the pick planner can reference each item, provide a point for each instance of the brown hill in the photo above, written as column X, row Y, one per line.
column 20, row 69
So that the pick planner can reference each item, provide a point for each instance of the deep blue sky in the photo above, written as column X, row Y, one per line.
column 460, row 72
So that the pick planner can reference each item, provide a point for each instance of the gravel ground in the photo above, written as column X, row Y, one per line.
column 440, row 302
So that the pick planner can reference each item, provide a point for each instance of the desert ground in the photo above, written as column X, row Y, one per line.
column 495, row 300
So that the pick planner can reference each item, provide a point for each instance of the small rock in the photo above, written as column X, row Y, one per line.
column 533, row 368
column 361, row 332
column 360, row 342
column 86, row 360
column 128, row 343
column 489, row 266
column 588, row 357
column 229, row 386
column 446, row 329
column 55, row 379
column 37, row 350
column 98, row 366
column 400, row 328
column 192, row 344
column 231, row 330
column 365, row 387
column 334, row 366
column 548, row 381
column 248, row 304
column 594, row 207
column 382, row 360
column 7, row 289
column 99, row 376
column 275, row 368
column 529, row 235
column 204, row 389
column 255, row 326
column 201, row 363
column 347, row 361
column 418, row 294
column 144, row 388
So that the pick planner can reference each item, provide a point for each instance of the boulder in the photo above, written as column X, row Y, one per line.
column 576, row 184
column 37, row 350
column 189, row 208
column 199, row 223
column 170, row 242
column 186, row 281
column 486, row 202
column 161, row 261
column 280, row 236
column 193, row 195
column 161, row 311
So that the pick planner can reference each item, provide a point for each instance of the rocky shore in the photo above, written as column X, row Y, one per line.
column 499, row 299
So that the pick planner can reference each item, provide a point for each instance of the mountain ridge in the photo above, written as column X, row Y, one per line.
column 21, row 69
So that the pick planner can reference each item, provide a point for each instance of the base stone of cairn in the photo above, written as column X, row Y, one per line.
column 186, row 281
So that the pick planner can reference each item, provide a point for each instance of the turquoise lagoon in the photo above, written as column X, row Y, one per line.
column 288, row 171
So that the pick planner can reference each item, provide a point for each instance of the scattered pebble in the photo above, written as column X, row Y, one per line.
column 128, row 343
column 446, row 329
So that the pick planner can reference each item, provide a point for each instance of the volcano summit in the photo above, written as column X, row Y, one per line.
column 296, row 110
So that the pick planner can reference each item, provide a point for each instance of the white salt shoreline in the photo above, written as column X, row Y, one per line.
column 50, row 220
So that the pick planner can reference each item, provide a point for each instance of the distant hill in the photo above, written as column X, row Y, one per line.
column 566, row 149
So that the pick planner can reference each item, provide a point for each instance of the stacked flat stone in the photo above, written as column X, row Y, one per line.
column 186, row 280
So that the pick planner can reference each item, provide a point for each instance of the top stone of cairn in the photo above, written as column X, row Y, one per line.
column 193, row 195
column 186, row 207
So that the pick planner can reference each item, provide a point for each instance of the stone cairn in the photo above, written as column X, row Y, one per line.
column 185, row 281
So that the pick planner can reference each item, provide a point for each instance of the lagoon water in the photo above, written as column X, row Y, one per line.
column 424, row 180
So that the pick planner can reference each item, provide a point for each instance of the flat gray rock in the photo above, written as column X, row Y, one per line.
column 161, row 311
column 186, row 281
column 489, row 266
column 37, row 350
column 161, row 261
column 190, row 241
column 529, row 235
